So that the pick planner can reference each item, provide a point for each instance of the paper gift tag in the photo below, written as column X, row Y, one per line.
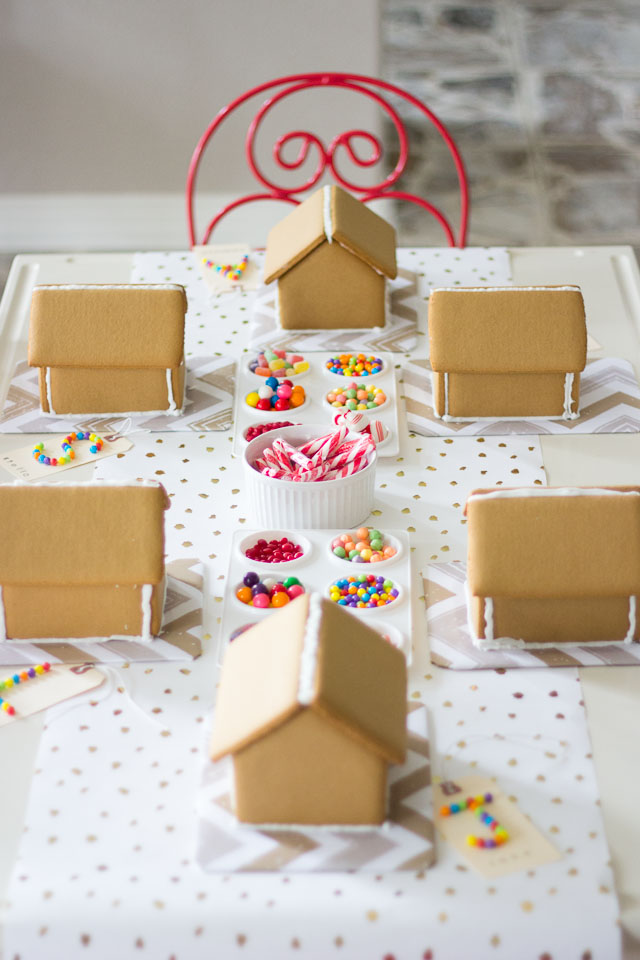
column 60, row 683
column 21, row 463
column 223, row 255
column 526, row 847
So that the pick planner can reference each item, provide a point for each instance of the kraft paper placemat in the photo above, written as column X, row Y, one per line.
column 609, row 403
column 404, row 842
column 208, row 404
column 180, row 639
column 450, row 640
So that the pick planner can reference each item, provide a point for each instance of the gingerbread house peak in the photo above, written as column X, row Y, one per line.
column 331, row 215
column 312, row 656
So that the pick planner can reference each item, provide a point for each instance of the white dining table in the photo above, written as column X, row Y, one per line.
column 610, row 281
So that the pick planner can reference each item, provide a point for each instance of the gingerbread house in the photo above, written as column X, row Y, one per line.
column 81, row 560
column 312, row 708
column 507, row 352
column 331, row 256
column 550, row 565
column 108, row 348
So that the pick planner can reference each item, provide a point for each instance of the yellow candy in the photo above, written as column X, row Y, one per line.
column 366, row 554
column 276, row 364
column 8, row 682
column 301, row 366
column 39, row 668
column 252, row 398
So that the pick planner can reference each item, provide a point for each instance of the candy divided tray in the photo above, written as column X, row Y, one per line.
column 317, row 382
column 316, row 569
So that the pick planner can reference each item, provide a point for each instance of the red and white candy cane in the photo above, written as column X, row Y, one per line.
column 329, row 443
column 348, row 469
column 351, row 452
column 292, row 453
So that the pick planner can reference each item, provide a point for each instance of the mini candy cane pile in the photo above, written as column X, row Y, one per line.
column 331, row 457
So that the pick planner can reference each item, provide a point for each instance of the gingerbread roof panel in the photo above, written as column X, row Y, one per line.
column 554, row 542
column 107, row 325
column 82, row 533
column 507, row 330
column 330, row 215
column 312, row 655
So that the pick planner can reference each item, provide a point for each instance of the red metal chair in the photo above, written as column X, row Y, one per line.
column 368, row 86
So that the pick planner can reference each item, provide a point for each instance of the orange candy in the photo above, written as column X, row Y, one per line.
column 244, row 594
column 279, row 599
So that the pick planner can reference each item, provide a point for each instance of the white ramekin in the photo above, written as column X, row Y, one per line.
column 282, row 503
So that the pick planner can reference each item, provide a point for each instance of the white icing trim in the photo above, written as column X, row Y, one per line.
column 345, row 828
column 84, row 483
column 538, row 288
column 551, row 492
column 488, row 618
column 632, row 621
column 445, row 415
column 172, row 408
column 108, row 286
column 47, row 386
column 78, row 641
column 3, row 623
column 568, row 399
column 309, row 654
column 326, row 213
column 146, row 596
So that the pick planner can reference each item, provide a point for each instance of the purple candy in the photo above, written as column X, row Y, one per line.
column 258, row 588
column 250, row 579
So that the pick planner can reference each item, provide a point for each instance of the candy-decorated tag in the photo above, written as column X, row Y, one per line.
column 524, row 848
column 227, row 266
column 22, row 464
column 60, row 682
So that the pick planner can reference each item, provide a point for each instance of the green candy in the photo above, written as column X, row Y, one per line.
column 353, row 553
column 376, row 544
column 370, row 404
column 290, row 582
column 352, row 394
column 339, row 552
column 375, row 535
column 351, row 404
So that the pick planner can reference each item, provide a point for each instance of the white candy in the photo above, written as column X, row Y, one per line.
column 265, row 393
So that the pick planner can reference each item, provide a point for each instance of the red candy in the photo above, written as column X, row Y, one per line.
column 274, row 551
column 259, row 428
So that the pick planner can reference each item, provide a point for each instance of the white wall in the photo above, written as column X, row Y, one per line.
column 104, row 100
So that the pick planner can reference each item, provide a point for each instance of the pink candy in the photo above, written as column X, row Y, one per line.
column 330, row 457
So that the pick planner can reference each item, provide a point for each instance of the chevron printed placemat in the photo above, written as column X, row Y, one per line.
column 208, row 405
column 180, row 638
column 609, row 403
column 450, row 640
column 404, row 842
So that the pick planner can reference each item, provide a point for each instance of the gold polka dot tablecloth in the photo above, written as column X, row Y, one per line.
column 106, row 864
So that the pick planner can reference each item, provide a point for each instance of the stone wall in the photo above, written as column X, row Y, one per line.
column 543, row 99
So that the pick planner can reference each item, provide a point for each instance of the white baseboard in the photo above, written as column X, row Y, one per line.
column 52, row 222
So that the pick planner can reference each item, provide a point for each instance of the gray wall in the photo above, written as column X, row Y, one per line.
column 112, row 95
